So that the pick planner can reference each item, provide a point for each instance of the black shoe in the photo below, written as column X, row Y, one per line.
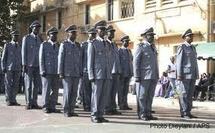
column 186, row 117
column 28, row 106
column 58, row 103
column 55, row 111
column 45, row 110
column 16, row 104
column 95, row 120
column 67, row 114
column 36, row 107
column 152, row 111
column 9, row 104
column 152, row 117
column 122, row 108
column 192, row 116
column 128, row 108
column 103, row 119
column 87, row 109
column 144, row 118
column 115, row 112
column 74, row 114
column 108, row 113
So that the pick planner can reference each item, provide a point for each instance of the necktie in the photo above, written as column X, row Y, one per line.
column 152, row 47
column 53, row 46
column 104, row 43
column 36, row 39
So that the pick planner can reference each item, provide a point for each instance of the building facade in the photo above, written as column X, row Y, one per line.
column 170, row 18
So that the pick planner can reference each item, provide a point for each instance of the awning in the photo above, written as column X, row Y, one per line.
column 206, row 51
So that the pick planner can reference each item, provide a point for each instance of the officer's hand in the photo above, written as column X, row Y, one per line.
column 24, row 68
column 92, row 80
column 43, row 74
column 4, row 70
column 61, row 76
column 137, row 79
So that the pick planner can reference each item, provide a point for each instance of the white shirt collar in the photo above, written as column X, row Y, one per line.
column 109, row 41
column 71, row 41
column 51, row 42
column 187, row 44
column 99, row 38
column 13, row 42
column 146, row 42
column 34, row 34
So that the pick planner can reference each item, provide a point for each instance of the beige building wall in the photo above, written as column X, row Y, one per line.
column 169, row 21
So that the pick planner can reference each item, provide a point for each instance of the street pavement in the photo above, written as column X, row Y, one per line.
column 15, row 119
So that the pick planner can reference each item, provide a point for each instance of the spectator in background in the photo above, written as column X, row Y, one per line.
column 171, row 70
column 162, row 85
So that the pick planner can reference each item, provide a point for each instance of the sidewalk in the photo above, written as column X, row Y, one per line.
column 18, row 120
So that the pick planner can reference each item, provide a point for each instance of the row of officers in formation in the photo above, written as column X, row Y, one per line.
column 104, row 70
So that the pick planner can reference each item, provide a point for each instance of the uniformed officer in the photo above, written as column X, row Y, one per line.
column 48, row 62
column 30, row 61
column 86, row 85
column 2, row 88
column 99, row 71
column 126, row 58
column 69, row 69
column 187, row 72
column 110, row 108
column 146, row 74
column 11, row 66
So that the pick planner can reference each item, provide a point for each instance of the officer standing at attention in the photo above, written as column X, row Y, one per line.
column 126, row 58
column 70, row 70
column 110, row 108
column 2, row 88
column 86, row 85
column 48, row 62
column 99, row 70
column 187, row 72
column 30, row 61
column 146, row 74
column 12, row 65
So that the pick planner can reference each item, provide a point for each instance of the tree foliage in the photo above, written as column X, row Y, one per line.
column 11, row 11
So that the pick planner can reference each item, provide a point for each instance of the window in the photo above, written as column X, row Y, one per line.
column 44, row 23
column 87, row 14
column 150, row 4
column 110, row 9
column 59, row 20
column 127, row 8
column 166, row 2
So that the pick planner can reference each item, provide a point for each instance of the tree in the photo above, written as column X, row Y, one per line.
column 11, row 11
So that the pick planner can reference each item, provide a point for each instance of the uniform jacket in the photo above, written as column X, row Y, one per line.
column 70, row 59
column 11, row 57
column 48, row 57
column 126, row 60
column 30, row 50
column 115, row 61
column 186, row 62
column 98, row 63
column 84, row 47
column 145, row 62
